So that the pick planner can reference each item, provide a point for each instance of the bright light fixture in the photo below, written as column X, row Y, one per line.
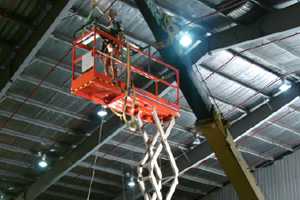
column 197, row 141
column 43, row 162
column 10, row 188
column 102, row 112
column 131, row 182
column 208, row 34
column 185, row 39
column 285, row 86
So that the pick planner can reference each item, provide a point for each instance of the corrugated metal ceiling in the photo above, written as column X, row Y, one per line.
column 51, row 121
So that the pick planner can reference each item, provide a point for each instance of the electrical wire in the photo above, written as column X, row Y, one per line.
column 95, row 162
column 208, row 90
column 110, row 6
column 223, row 65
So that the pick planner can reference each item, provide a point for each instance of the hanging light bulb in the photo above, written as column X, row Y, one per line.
column 43, row 162
column 131, row 182
column 185, row 39
column 102, row 112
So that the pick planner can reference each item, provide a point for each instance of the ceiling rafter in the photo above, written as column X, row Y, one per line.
column 21, row 20
column 235, row 80
column 254, row 153
column 135, row 163
column 47, row 85
column 101, row 180
column 48, row 107
column 120, row 173
column 36, row 122
column 272, row 142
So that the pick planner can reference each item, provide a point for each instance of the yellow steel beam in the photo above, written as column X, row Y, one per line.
column 231, row 159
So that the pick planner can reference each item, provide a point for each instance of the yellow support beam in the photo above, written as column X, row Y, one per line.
column 230, row 159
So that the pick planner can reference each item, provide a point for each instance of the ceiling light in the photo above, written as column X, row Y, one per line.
column 10, row 188
column 43, row 161
column 102, row 112
column 185, row 39
column 285, row 86
column 208, row 34
column 197, row 141
column 131, row 182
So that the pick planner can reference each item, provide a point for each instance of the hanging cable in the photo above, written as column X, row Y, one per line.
column 95, row 162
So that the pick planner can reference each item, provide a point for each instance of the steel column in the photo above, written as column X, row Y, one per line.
column 231, row 160
column 194, row 92
column 212, row 127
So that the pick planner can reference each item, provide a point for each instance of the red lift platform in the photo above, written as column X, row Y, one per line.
column 91, row 80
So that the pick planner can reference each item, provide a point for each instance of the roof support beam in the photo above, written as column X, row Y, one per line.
column 27, row 136
column 11, row 175
column 15, row 149
column 85, row 189
column 219, row 72
column 284, row 127
column 246, row 58
column 62, row 167
column 287, row 19
column 172, row 143
column 88, row 165
column 237, row 107
column 254, row 153
column 194, row 93
column 35, row 122
column 46, row 85
column 129, row 35
column 72, row 186
column 15, row 163
column 51, row 62
column 208, row 124
column 212, row 170
column 296, row 108
column 272, row 142
column 136, row 163
column 51, row 108
column 33, row 44
column 96, row 180
column 142, row 150
column 170, row 11
column 71, row 174
column 63, row 195
column 15, row 18
column 120, row 173
column 201, row 152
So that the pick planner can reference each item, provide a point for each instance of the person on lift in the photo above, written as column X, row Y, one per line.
column 111, row 48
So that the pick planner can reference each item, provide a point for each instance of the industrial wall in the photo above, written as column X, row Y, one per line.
column 280, row 181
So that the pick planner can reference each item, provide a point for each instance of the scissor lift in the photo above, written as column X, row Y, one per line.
column 94, row 84
column 92, row 80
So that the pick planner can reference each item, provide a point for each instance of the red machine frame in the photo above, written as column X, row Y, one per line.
column 102, row 89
